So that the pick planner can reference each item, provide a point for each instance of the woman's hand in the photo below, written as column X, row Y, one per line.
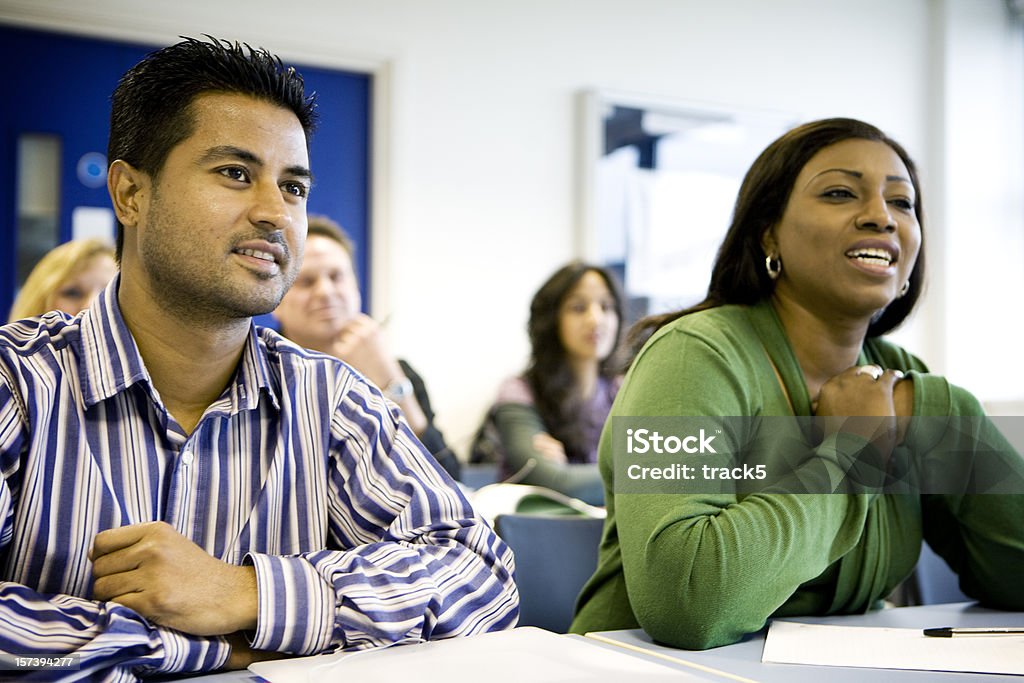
column 903, row 400
column 550, row 448
column 867, row 401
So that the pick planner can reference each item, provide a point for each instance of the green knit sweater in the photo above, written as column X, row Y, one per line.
column 701, row 570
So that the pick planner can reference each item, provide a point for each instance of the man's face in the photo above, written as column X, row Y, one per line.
column 325, row 295
column 222, row 227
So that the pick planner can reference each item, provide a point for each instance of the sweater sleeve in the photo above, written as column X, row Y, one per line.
column 980, row 535
column 703, row 570
column 517, row 424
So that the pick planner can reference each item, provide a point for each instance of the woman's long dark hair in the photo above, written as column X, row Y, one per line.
column 549, row 374
column 739, row 275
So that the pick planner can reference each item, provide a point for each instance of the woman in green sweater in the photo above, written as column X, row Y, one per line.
column 824, row 255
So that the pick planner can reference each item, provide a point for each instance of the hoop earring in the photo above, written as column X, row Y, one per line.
column 904, row 289
column 773, row 264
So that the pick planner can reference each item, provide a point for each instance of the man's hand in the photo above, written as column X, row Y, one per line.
column 242, row 655
column 363, row 345
column 171, row 581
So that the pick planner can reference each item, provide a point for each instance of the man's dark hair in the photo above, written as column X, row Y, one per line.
column 152, row 110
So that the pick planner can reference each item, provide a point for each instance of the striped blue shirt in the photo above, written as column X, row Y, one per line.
column 301, row 468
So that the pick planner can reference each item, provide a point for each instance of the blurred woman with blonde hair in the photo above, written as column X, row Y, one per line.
column 66, row 279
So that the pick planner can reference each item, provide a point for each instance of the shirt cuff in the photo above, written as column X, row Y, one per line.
column 296, row 606
column 184, row 653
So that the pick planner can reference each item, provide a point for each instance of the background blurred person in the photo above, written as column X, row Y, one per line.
column 545, row 424
column 322, row 311
column 66, row 279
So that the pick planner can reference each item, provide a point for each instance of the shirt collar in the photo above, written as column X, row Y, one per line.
column 110, row 361
column 254, row 375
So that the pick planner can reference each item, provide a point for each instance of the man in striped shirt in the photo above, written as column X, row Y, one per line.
column 181, row 491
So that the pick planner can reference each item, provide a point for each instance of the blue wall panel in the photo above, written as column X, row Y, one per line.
column 61, row 85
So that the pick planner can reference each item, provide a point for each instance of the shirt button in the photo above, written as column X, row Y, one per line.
column 187, row 457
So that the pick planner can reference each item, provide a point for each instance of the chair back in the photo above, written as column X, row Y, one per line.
column 477, row 476
column 936, row 582
column 555, row 555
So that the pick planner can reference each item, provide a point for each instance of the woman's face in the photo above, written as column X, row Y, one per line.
column 77, row 292
column 849, row 236
column 587, row 321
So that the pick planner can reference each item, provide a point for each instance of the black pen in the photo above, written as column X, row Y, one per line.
column 950, row 631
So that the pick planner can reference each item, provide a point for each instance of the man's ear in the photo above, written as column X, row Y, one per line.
column 125, row 184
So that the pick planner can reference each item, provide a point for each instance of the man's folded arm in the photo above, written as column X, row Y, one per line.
column 102, row 636
column 408, row 559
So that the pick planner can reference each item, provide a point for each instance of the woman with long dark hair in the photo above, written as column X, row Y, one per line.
column 824, row 255
column 546, row 423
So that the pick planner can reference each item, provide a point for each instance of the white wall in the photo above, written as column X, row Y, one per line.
column 983, row 143
column 479, row 193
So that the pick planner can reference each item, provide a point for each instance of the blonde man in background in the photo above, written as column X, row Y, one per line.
column 323, row 311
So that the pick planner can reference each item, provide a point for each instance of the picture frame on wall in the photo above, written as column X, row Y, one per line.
column 658, row 181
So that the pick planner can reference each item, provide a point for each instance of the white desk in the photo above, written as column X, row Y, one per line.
column 522, row 654
column 225, row 677
column 744, row 658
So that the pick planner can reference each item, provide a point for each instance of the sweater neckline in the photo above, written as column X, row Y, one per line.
column 773, row 337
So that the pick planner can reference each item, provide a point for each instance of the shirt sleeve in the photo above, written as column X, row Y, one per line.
column 517, row 424
column 704, row 569
column 409, row 559
column 109, row 641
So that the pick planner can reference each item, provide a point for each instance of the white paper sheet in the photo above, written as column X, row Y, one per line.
column 891, row 648
column 522, row 654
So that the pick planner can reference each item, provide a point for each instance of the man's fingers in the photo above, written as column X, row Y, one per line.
column 115, row 562
column 146, row 603
column 154, row 570
column 361, row 326
column 109, row 588
column 144, row 535
column 114, row 539
column 131, row 600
